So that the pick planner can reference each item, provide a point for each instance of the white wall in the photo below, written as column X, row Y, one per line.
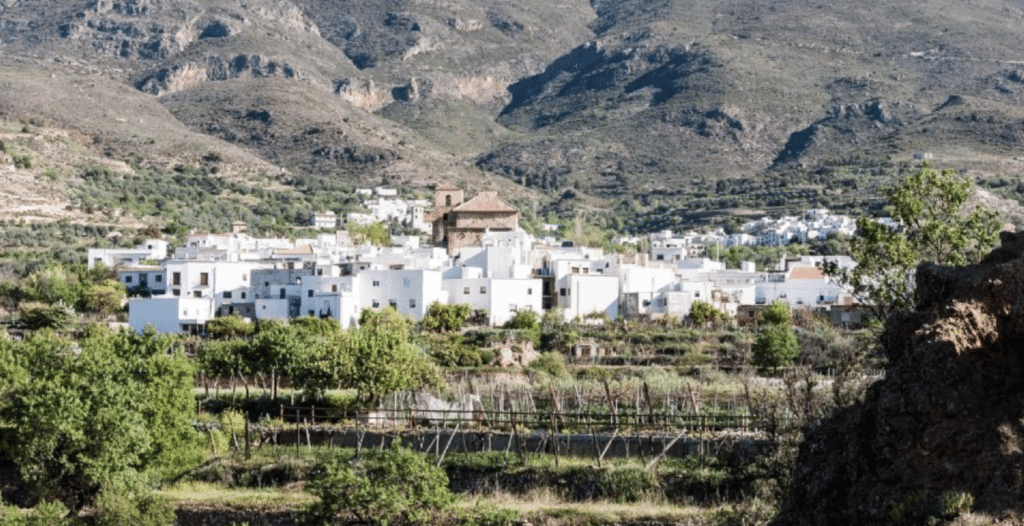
column 167, row 314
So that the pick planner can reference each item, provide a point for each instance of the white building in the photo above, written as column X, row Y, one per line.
column 410, row 292
column 151, row 249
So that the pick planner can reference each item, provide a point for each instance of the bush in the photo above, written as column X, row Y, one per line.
column 552, row 363
column 922, row 509
column 629, row 484
column 386, row 486
column 774, row 347
column 116, row 508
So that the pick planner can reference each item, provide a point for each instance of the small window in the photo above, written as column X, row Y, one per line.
column 483, row 290
column 393, row 304
column 245, row 277
column 127, row 279
column 176, row 278
column 561, row 291
column 197, row 294
column 412, row 303
column 176, row 292
column 376, row 283
column 159, row 278
column 227, row 294
column 465, row 290
column 266, row 283
column 513, row 307
column 243, row 295
column 283, row 292
column 529, row 291
column 309, row 293
column 204, row 279
column 311, row 312
column 376, row 304
column 334, row 288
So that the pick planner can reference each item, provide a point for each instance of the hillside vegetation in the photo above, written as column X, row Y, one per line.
column 665, row 112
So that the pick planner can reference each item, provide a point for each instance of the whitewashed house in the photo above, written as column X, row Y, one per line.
column 410, row 292
column 150, row 249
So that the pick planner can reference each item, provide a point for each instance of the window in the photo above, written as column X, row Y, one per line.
column 282, row 293
column 204, row 279
column 159, row 278
column 312, row 313
column 483, row 290
column 376, row 304
column 127, row 279
column 529, row 291
column 412, row 303
column 512, row 307
column 266, row 283
column 309, row 293
column 376, row 283
column 465, row 290
column 176, row 292
column 176, row 278
column 243, row 295
column 393, row 304
column 197, row 294
column 227, row 294
column 661, row 257
column 334, row 288
column 561, row 291
column 245, row 277
column 447, row 200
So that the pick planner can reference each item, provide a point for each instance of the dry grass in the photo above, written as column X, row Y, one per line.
column 543, row 505
column 215, row 495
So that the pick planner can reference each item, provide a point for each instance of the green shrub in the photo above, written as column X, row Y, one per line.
column 383, row 487
column 22, row 161
column 44, row 514
column 629, row 484
column 552, row 363
column 924, row 509
column 116, row 508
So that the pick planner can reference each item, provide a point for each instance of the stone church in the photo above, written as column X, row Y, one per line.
column 458, row 224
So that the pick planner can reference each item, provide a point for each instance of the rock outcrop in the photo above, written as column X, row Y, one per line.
column 949, row 415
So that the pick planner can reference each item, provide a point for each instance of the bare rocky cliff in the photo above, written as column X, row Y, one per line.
column 947, row 419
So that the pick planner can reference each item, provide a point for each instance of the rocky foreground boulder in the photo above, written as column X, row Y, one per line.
column 947, row 421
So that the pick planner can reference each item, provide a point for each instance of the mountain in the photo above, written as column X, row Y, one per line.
column 664, row 111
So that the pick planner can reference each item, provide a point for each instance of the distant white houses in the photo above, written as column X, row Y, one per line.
column 503, row 272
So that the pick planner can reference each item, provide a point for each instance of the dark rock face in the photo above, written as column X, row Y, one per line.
column 949, row 416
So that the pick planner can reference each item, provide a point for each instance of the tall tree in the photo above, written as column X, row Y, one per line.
column 928, row 207
column 381, row 359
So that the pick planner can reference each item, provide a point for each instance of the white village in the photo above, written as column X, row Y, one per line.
column 477, row 255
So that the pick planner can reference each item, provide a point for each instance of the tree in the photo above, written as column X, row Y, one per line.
column 380, row 359
column 384, row 487
column 229, row 327
column 116, row 408
column 775, row 313
column 702, row 313
column 928, row 206
column 445, row 318
column 775, row 346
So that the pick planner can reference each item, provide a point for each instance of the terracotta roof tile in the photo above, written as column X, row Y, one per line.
column 485, row 202
column 806, row 273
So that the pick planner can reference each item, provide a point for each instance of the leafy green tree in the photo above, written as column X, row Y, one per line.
column 36, row 315
column 524, row 319
column 50, row 513
column 775, row 346
column 395, row 485
column 381, row 359
column 445, row 318
column 103, row 298
column 282, row 349
column 552, row 363
column 703, row 313
column 775, row 313
column 376, row 234
column 935, row 227
column 116, row 408
column 227, row 327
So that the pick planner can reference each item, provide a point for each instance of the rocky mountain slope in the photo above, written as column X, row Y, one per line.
column 946, row 422
column 682, row 106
